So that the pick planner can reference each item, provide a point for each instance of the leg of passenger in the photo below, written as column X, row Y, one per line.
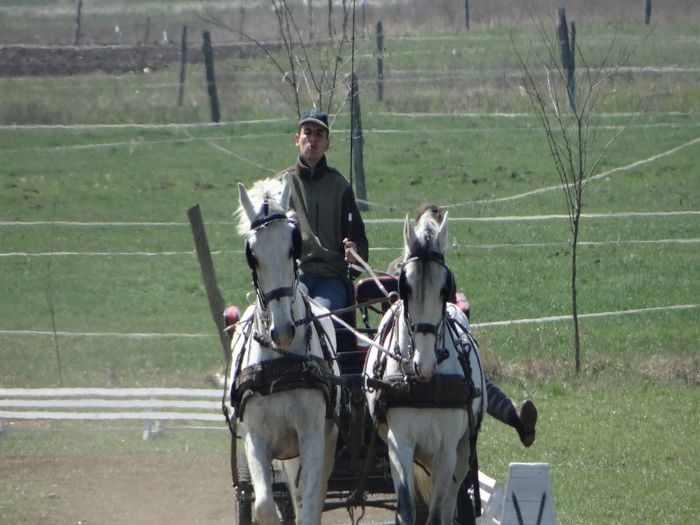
column 523, row 418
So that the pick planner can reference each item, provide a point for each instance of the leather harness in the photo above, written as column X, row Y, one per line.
column 442, row 391
column 285, row 373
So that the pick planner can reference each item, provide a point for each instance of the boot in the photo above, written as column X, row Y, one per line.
column 523, row 418
column 527, row 419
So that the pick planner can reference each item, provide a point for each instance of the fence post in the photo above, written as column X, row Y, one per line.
column 363, row 5
column 647, row 12
column 310, row 13
column 380, row 61
column 357, row 142
column 241, row 21
column 144, row 43
column 183, row 62
column 211, row 81
column 216, row 301
column 466, row 14
column 330, row 18
column 567, row 50
column 78, row 15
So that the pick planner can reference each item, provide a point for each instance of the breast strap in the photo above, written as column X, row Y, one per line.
column 280, row 375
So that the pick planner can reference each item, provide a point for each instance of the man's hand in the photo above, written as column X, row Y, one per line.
column 349, row 245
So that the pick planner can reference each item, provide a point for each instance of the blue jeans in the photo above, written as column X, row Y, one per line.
column 331, row 292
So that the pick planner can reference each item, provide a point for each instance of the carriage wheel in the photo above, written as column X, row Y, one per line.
column 243, row 492
column 285, row 508
column 283, row 499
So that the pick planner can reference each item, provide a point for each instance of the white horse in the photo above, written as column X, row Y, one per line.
column 282, row 401
column 426, row 393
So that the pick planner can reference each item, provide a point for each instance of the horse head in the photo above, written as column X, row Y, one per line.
column 273, row 245
column 425, row 286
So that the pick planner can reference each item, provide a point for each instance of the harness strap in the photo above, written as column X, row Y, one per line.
column 280, row 375
column 442, row 391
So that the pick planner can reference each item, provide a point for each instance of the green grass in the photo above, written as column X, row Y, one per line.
column 617, row 435
column 597, row 436
column 156, row 174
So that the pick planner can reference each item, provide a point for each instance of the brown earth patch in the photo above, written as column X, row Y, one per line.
column 184, row 488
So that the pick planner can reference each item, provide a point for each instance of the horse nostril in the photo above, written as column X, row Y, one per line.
column 284, row 336
column 420, row 375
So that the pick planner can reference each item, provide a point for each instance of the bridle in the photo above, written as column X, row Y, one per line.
column 425, row 256
column 295, row 253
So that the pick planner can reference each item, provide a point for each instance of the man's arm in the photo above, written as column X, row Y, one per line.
column 353, row 225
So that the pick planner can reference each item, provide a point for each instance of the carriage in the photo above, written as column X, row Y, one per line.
column 360, row 474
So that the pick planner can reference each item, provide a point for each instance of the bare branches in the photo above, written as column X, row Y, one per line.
column 568, row 130
column 311, row 69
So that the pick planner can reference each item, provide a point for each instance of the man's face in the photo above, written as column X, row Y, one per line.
column 312, row 141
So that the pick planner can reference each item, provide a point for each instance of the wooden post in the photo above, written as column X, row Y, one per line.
column 647, row 12
column 357, row 143
column 345, row 21
column 311, row 19
column 216, row 301
column 147, row 31
column 211, row 80
column 363, row 5
column 183, row 62
column 241, row 21
column 330, row 18
column 567, row 50
column 380, row 61
column 466, row 14
column 78, row 16
column 144, row 43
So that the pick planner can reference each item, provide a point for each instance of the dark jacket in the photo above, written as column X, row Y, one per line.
column 325, row 206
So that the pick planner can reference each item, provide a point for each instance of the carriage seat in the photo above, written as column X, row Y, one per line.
column 367, row 289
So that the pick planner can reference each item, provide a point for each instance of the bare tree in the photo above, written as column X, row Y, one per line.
column 312, row 69
column 574, row 147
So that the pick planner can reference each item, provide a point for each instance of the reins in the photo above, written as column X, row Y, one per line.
column 359, row 335
column 392, row 297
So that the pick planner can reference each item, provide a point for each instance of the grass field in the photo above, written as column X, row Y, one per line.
column 93, row 230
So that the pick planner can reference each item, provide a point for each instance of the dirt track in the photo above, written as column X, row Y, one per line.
column 127, row 488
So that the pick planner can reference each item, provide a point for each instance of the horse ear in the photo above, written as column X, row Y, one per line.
column 442, row 234
column 285, row 193
column 409, row 236
column 246, row 203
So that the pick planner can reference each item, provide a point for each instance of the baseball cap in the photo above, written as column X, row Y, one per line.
column 314, row 116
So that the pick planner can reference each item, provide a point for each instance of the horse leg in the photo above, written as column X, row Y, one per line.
column 292, row 470
column 401, row 462
column 443, row 496
column 461, row 469
column 311, row 480
column 329, row 459
column 259, row 459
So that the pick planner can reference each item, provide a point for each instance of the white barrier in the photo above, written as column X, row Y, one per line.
column 528, row 499
column 491, row 494
column 152, row 405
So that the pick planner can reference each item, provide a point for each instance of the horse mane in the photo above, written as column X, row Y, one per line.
column 261, row 190
column 427, row 227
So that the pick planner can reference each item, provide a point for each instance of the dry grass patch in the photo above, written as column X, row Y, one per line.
column 672, row 368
